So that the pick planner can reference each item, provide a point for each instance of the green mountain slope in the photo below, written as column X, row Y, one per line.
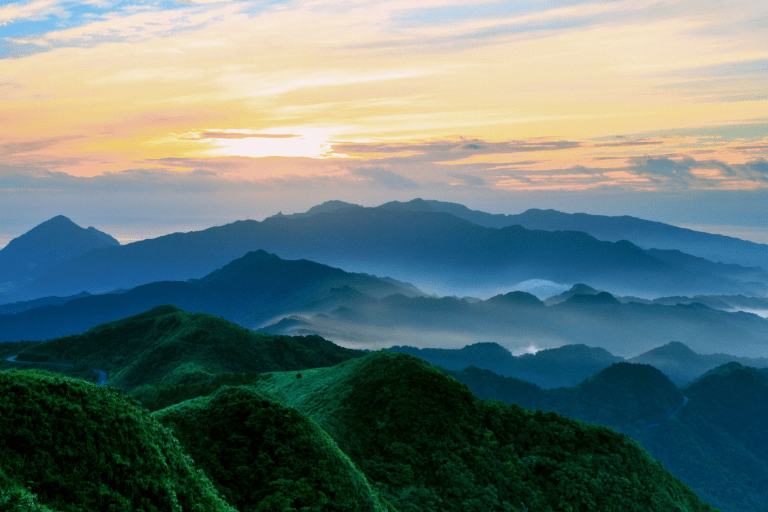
column 710, row 434
column 266, row 457
column 165, row 355
column 70, row 446
column 429, row 444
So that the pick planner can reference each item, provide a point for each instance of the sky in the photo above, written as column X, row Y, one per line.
column 146, row 117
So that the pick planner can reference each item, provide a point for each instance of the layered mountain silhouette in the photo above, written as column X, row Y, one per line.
column 427, row 248
column 41, row 248
column 521, row 323
column 643, row 233
column 260, row 290
column 552, row 368
column 711, row 434
column 569, row 365
column 248, row 291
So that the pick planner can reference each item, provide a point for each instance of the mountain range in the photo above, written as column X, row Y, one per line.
column 643, row 233
column 249, row 291
column 569, row 365
column 298, row 297
column 521, row 322
column 435, row 250
column 202, row 371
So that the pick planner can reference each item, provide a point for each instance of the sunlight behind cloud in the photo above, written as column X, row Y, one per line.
column 311, row 144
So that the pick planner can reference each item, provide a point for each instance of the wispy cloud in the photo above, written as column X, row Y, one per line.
column 35, row 10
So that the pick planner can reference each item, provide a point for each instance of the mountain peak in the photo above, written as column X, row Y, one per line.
column 330, row 206
column 583, row 289
column 516, row 297
column 47, row 244
column 599, row 298
column 414, row 205
column 672, row 349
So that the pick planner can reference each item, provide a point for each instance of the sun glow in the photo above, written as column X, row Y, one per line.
column 310, row 144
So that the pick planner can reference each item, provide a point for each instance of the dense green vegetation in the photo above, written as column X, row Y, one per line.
column 70, row 446
column 716, row 442
column 266, row 457
column 374, row 432
column 429, row 444
column 165, row 355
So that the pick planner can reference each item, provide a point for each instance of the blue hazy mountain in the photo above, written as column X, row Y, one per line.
column 260, row 289
column 569, row 365
column 520, row 322
column 248, row 291
column 552, row 368
column 644, row 233
column 41, row 248
column 19, row 307
column 430, row 249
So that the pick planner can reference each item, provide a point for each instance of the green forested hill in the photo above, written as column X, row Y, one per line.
column 165, row 355
column 266, row 457
column 421, row 439
column 70, row 446
column 429, row 444
column 710, row 434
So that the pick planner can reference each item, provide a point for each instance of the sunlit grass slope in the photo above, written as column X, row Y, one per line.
column 264, row 456
column 70, row 446
column 429, row 444
column 165, row 355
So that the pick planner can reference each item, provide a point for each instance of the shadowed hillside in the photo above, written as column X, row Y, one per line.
column 75, row 447
column 264, row 456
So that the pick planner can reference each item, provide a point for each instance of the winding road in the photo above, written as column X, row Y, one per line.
column 101, row 381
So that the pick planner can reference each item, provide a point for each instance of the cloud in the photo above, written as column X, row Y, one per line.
column 629, row 143
column 386, row 179
column 17, row 11
column 665, row 167
column 14, row 148
column 473, row 181
column 240, row 135
column 449, row 150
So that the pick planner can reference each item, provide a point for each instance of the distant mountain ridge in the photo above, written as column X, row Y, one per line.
column 423, row 247
column 569, row 365
column 644, row 233
column 523, row 323
column 249, row 291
